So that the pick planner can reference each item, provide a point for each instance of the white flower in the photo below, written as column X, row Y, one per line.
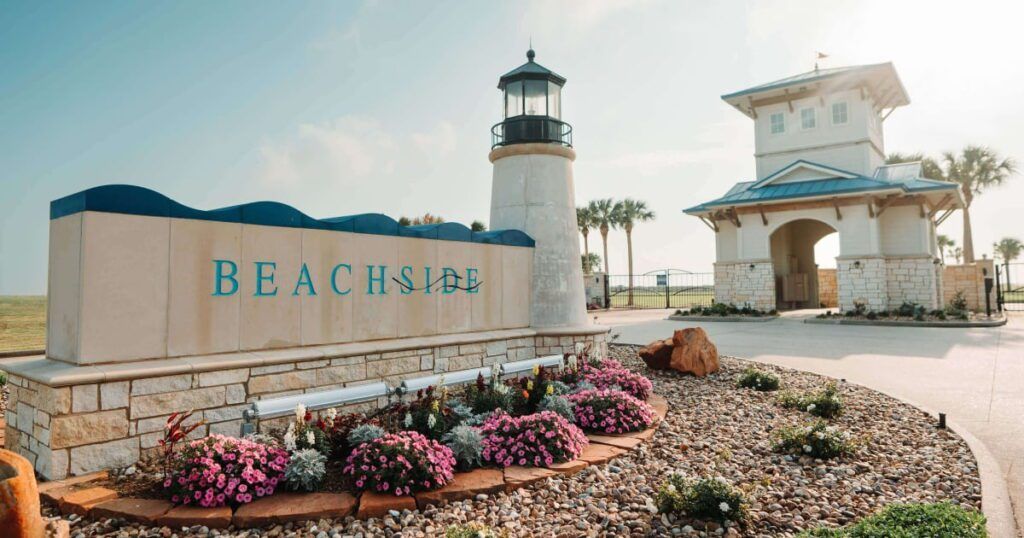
column 580, row 348
column 572, row 362
column 810, row 408
column 501, row 389
column 300, row 412
column 671, row 488
column 819, row 435
column 723, row 506
column 807, row 448
column 431, row 421
column 310, row 438
column 289, row 440
column 408, row 420
column 332, row 414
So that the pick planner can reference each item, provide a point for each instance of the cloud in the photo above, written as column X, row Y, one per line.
column 718, row 142
column 324, row 153
column 437, row 143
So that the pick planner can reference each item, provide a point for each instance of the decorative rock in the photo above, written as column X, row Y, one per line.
column 137, row 510
column 182, row 516
column 657, row 354
column 19, row 500
column 693, row 352
column 283, row 507
column 464, row 486
column 372, row 504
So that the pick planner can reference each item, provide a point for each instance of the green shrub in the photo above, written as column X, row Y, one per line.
column 825, row 403
column 958, row 303
column 711, row 499
column 816, row 440
column 872, row 315
column 912, row 521
column 752, row 378
column 3, row 379
column 474, row 530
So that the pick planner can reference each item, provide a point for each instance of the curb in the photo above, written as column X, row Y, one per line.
column 733, row 319
column 895, row 323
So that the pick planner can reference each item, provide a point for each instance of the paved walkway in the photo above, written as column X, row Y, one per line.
column 975, row 376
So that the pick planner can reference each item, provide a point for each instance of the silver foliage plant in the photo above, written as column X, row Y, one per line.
column 559, row 389
column 558, row 404
column 364, row 433
column 306, row 470
column 466, row 444
column 582, row 386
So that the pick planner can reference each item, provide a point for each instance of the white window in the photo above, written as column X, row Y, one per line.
column 777, row 123
column 840, row 114
column 808, row 119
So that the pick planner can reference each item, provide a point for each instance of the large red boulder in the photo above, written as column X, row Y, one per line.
column 693, row 352
column 657, row 354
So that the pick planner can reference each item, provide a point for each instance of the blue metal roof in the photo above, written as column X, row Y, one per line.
column 134, row 200
column 746, row 193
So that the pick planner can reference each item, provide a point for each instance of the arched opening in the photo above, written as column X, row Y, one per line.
column 794, row 260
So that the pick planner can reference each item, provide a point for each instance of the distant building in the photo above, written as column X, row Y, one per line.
column 820, row 154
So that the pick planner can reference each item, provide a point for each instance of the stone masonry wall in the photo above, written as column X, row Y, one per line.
column 83, row 428
column 970, row 279
column 828, row 289
column 862, row 284
column 912, row 280
column 743, row 285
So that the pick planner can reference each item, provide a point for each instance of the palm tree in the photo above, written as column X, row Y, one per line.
column 957, row 254
column 944, row 242
column 590, row 260
column 1008, row 249
column 606, row 217
column 975, row 169
column 632, row 212
column 478, row 226
column 585, row 221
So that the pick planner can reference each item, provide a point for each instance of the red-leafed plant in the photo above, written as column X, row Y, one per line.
column 174, row 432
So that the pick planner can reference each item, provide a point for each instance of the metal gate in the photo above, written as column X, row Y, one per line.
column 661, row 290
column 1010, row 286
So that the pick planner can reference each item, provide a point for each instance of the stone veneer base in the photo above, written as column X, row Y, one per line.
column 80, row 496
column 71, row 420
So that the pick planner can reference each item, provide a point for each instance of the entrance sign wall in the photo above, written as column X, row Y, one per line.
column 129, row 261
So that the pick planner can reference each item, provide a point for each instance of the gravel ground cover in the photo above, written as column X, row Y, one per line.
column 713, row 429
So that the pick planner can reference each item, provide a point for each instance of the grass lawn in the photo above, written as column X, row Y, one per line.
column 655, row 297
column 22, row 322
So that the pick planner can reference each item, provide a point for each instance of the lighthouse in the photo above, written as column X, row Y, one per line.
column 532, row 189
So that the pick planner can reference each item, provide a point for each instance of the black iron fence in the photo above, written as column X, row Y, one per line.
column 677, row 290
column 1010, row 286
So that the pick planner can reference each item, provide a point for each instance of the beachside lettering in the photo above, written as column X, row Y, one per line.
column 408, row 279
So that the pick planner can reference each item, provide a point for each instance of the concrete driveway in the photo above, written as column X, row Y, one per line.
column 975, row 376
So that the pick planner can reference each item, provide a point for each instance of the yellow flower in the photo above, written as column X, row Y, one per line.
column 529, row 385
column 551, row 390
column 536, row 369
column 435, row 406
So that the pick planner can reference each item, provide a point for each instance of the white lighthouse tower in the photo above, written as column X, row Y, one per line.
column 533, row 190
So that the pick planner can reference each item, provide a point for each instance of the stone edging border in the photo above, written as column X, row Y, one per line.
column 736, row 319
column 78, row 495
column 898, row 323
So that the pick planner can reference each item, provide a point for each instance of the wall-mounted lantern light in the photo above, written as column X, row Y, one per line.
column 856, row 264
column 751, row 267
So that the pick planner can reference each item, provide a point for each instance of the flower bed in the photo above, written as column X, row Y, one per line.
column 540, row 440
column 219, row 471
column 610, row 411
column 400, row 463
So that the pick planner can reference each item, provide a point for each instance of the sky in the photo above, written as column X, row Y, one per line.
column 377, row 106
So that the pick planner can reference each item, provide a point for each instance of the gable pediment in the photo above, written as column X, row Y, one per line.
column 801, row 171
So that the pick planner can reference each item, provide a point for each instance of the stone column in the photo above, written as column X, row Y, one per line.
column 861, row 279
column 533, row 191
column 746, row 283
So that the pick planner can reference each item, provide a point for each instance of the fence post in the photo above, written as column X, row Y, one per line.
column 999, row 292
column 668, row 293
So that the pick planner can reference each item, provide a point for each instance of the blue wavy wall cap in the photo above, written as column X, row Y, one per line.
column 135, row 200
